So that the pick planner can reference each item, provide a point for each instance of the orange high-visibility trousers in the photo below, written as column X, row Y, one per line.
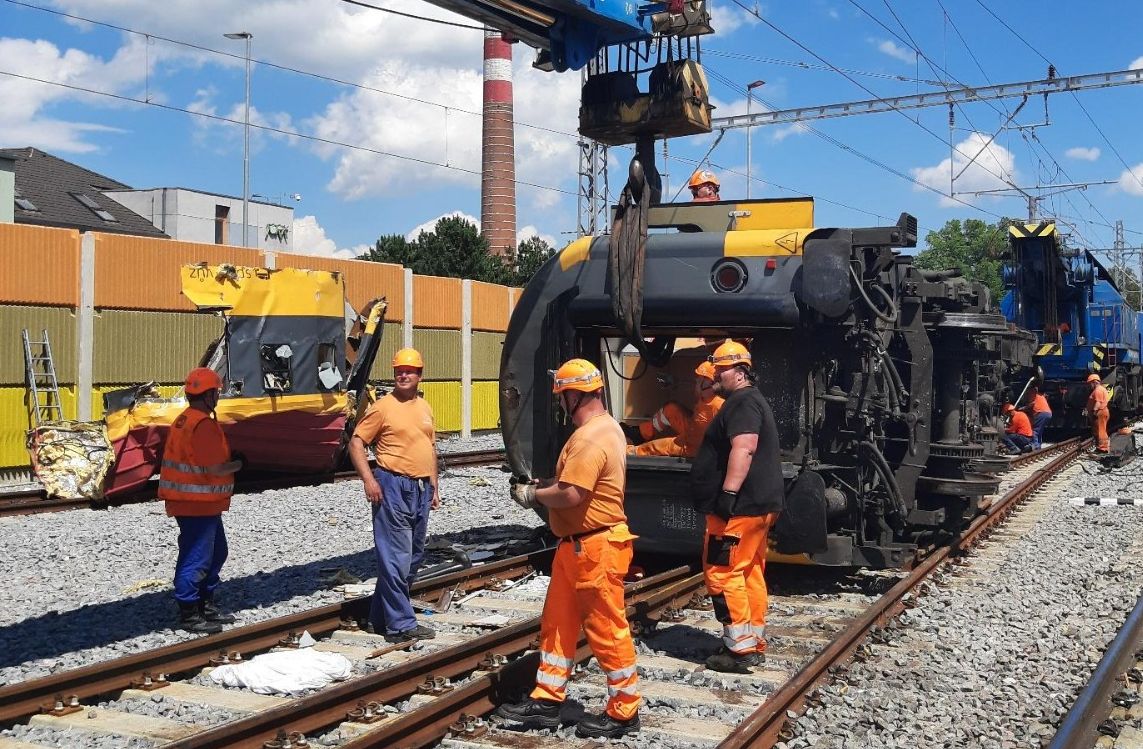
column 1099, row 430
column 586, row 590
column 671, row 417
column 734, row 563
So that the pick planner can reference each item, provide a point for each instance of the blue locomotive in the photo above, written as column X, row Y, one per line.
column 1082, row 322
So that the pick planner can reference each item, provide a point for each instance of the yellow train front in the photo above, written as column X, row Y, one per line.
column 885, row 379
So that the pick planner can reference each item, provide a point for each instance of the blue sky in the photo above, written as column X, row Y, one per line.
column 419, row 85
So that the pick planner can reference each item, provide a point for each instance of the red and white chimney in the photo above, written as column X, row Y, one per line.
column 498, row 152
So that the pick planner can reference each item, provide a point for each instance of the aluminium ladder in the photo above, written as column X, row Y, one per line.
column 40, row 373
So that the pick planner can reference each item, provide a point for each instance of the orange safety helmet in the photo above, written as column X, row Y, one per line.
column 577, row 374
column 730, row 354
column 1093, row 378
column 706, row 369
column 703, row 177
column 1007, row 408
column 201, row 380
column 408, row 357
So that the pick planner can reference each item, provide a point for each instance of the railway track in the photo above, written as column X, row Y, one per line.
column 33, row 501
column 402, row 698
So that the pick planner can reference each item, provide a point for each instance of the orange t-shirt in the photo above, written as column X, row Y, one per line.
column 1040, row 404
column 402, row 435
column 1019, row 424
column 595, row 460
column 1097, row 401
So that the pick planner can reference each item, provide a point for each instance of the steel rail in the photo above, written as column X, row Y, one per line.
column 1080, row 726
column 329, row 707
column 1025, row 458
column 32, row 501
column 761, row 729
column 22, row 700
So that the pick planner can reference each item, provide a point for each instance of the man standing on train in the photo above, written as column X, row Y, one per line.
column 736, row 481
column 688, row 426
column 1041, row 415
column 585, row 509
column 704, row 187
column 1098, row 413
column 196, row 480
column 402, row 490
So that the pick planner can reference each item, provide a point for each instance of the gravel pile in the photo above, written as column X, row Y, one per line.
column 996, row 662
column 85, row 586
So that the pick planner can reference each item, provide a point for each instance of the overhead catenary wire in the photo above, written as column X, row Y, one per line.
column 272, row 129
column 443, row 22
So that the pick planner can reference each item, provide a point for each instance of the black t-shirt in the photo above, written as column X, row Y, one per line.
column 744, row 412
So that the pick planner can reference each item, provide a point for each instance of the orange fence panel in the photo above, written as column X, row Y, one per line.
column 489, row 306
column 436, row 302
column 39, row 265
column 143, row 273
column 363, row 280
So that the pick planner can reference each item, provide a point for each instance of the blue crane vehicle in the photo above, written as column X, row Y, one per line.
column 1082, row 322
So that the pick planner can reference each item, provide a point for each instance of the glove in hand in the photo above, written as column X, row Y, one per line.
column 524, row 495
column 724, row 505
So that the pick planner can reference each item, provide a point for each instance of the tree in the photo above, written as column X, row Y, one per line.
column 975, row 248
column 456, row 249
column 532, row 253
column 1128, row 284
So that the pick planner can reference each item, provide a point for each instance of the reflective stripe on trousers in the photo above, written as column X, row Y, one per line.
column 738, row 587
column 586, row 590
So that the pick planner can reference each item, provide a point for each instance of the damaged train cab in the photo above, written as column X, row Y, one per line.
column 282, row 357
column 885, row 379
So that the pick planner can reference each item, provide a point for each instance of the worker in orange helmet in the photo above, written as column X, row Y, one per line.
column 401, row 491
column 1018, row 436
column 704, row 186
column 688, row 426
column 1098, row 413
column 736, row 481
column 1040, row 413
column 196, row 480
column 585, row 509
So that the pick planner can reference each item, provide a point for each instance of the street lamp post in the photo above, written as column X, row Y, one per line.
column 749, row 100
column 245, row 142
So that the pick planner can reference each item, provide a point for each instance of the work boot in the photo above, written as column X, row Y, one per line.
column 419, row 632
column 733, row 663
column 606, row 727
column 632, row 433
column 531, row 713
column 212, row 613
column 192, row 620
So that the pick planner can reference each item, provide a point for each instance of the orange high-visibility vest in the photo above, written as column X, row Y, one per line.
column 185, row 483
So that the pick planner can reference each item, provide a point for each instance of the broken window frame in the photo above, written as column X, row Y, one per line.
column 274, row 366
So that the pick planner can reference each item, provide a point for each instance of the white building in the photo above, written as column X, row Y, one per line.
column 195, row 216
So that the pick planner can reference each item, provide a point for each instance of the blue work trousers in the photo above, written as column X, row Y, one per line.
column 1040, row 421
column 400, row 523
column 1016, row 442
column 202, row 551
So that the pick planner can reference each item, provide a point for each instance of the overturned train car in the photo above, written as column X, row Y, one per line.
column 885, row 379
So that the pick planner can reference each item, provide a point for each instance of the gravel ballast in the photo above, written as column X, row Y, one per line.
column 993, row 656
column 85, row 586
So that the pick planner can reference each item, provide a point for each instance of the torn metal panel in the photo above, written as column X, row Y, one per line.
column 71, row 458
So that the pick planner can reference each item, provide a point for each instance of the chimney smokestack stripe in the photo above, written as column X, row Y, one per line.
column 498, row 177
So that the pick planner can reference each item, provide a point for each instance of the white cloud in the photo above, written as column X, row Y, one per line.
column 431, row 224
column 530, row 231
column 310, row 239
column 425, row 132
column 985, row 172
column 1136, row 64
column 725, row 19
column 1082, row 154
column 1131, row 180
column 832, row 13
column 889, row 47
column 23, row 119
